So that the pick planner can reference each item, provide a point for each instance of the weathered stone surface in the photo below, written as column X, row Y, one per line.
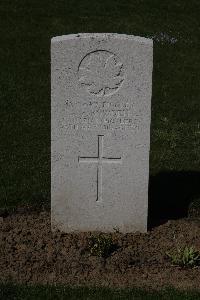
column 101, row 105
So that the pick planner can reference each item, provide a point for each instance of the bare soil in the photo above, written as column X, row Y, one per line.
column 31, row 253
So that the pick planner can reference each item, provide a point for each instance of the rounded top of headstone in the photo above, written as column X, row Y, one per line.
column 138, row 39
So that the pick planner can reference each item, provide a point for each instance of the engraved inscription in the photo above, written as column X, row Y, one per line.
column 101, row 72
column 105, row 115
column 99, row 160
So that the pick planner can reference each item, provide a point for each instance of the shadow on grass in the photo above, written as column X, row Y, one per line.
column 170, row 194
column 11, row 291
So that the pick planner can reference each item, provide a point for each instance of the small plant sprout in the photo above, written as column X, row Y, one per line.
column 185, row 257
column 116, row 229
column 101, row 245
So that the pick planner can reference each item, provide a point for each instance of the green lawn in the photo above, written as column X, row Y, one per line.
column 18, row 292
column 25, row 32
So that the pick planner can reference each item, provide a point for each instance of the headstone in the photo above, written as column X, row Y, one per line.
column 100, row 138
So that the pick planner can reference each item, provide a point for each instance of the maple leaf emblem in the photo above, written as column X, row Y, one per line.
column 101, row 73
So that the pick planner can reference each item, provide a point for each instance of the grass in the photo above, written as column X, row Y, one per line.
column 18, row 292
column 25, row 32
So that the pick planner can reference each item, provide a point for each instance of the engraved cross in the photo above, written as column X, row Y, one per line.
column 99, row 160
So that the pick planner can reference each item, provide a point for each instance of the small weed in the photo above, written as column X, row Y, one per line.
column 116, row 229
column 185, row 257
column 101, row 245
column 194, row 208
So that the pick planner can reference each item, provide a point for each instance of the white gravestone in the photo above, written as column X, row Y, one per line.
column 100, row 132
